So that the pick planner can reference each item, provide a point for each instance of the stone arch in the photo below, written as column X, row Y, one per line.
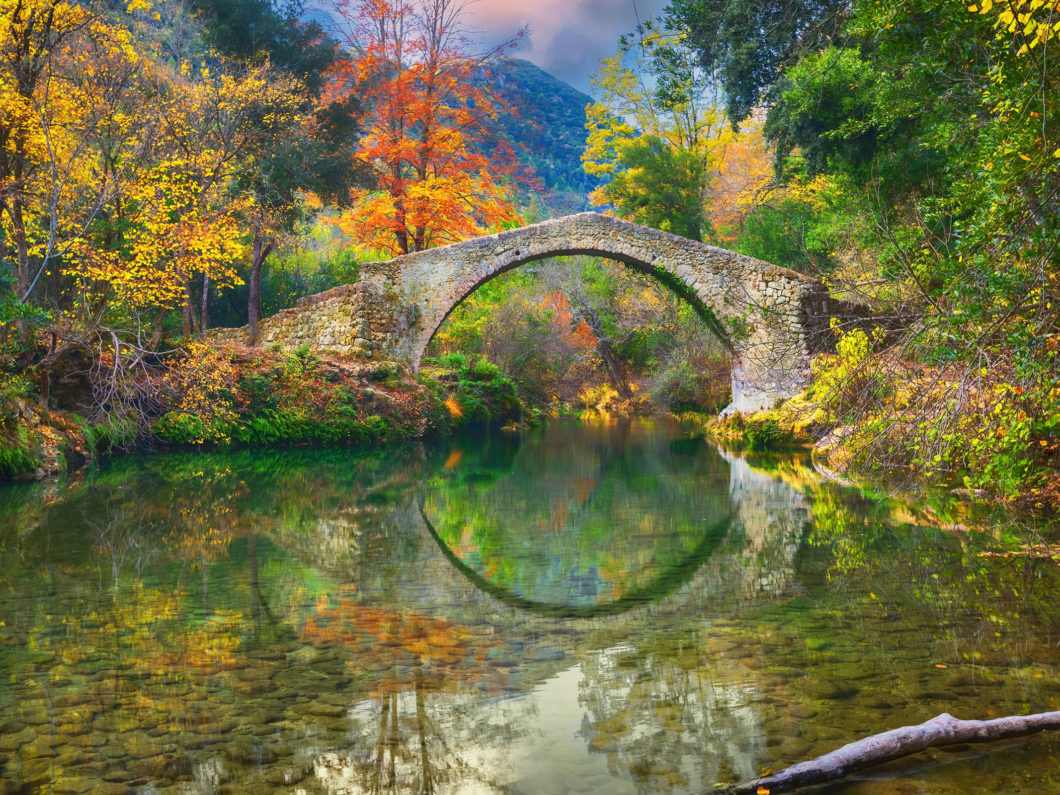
column 771, row 319
column 472, row 279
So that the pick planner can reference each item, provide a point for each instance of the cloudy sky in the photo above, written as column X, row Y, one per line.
column 567, row 37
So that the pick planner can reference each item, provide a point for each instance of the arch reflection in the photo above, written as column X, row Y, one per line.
column 670, row 580
column 580, row 521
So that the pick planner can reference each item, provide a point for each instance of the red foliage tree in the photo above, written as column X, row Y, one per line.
column 442, row 173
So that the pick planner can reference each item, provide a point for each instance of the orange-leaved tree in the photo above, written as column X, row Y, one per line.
column 442, row 174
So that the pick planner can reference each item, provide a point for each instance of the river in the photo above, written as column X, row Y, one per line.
column 584, row 607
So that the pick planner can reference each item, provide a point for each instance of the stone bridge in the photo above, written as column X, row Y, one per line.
column 771, row 320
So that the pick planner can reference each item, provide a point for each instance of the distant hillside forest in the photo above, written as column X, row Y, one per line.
column 547, row 127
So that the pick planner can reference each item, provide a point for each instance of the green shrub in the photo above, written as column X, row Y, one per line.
column 302, row 360
column 452, row 361
column 17, row 455
column 382, row 373
column 767, row 433
column 846, row 384
column 110, row 435
column 178, row 427
column 483, row 369
column 259, row 390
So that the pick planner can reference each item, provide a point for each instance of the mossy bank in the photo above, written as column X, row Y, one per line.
column 232, row 396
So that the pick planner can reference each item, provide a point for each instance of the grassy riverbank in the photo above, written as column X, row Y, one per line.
column 221, row 397
column 856, row 422
column 1000, row 445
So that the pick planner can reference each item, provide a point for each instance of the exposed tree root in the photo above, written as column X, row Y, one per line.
column 879, row 748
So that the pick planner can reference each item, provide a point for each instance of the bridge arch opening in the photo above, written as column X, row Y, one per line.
column 567, row 328
column 657, row 272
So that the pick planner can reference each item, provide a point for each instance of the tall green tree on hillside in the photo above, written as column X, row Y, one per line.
column 273, row 29
column 747, row 45
column 318, row 155
column 656, row 134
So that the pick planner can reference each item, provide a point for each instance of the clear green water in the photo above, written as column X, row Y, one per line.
column 581, row 608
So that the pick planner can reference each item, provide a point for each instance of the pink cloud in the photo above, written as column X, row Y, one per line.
column 567, row 37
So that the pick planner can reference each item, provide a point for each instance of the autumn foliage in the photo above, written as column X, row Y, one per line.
column 441, row 172
column 119, row 170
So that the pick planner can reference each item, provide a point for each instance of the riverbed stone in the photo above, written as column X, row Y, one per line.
column 109, row 788
column 793, row 749
column 801, row 711
column 324, row 708
column 164, row 766
column 118, row 775
column 72, row 785
column 13, row 741
column 248, row 751
column 833, row 690
column 286, row 776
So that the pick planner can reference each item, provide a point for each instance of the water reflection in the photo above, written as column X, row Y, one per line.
column 583, row 522
column 592, row 608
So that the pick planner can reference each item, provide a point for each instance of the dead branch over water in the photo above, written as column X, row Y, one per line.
column 871, row 751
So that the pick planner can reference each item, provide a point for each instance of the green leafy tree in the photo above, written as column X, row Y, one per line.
column 747, row 45
column 316, row 156
column 658, row 185
column 656, row 136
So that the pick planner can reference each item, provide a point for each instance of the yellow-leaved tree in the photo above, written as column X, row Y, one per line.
column 181, row 218
column 39, row 116
column 657, row 134
column 123, row 184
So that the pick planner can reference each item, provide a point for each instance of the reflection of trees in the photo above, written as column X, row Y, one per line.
column 668, row 580
column 583, row 514
column 161, row 572
column 952, row 605
column 421, row 728
column 671, row 719
column 122, row 530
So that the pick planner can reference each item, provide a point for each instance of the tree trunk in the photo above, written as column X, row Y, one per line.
column 191, row 322
column 880, row 748
column 18, row 232
column 46, row 372
column 185, row 325
column 252, row 576
column 156, row 332
column 261, row 253
column 607, row 353
column 204, row 313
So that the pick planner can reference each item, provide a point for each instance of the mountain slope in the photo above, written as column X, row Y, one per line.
column 549, row 131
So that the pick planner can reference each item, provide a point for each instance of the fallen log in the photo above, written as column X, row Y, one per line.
column 941, row 730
